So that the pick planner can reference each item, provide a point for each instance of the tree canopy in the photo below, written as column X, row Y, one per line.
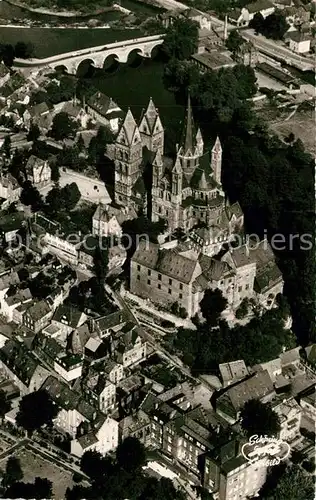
column 46, row 411
column 259, row 418
column 292, row 483
column 181, row 40
column 273, row 26
column 63, row 126
column 122, row 477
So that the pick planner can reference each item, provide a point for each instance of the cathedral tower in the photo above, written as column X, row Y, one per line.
column 188, row 152
column 151, row 129
column 127, row 159
column 157, row 169
column 176, row 188
column 216, row 162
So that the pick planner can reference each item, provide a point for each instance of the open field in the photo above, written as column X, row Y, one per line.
column 92, row 190
column 36, row 466
column 283, row 121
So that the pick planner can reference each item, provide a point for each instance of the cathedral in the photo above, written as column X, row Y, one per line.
column 186, row 192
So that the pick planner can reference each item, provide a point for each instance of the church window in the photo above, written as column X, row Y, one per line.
column 167, row 213
column 138, row 277
column 202, row 196
column 247, row 287
column 239, row 289
column 181, row 286
column 159, row 286
column 169, row 291
column 138, row 268
column 159, row 210
column 148, row 282
column 180, row 295
column 168, row 196
column 149, row 272
column 159, row 277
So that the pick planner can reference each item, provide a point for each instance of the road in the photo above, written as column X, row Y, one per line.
column 277, row 51
column 146, row 335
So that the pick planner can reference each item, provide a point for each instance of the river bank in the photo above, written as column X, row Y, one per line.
column 63, row 13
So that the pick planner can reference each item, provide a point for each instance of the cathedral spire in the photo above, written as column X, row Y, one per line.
column 189, row 135
column 129, row 126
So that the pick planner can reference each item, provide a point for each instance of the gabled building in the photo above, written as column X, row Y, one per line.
column 68, row 318
column 102, row 437
column 105, row 223
column 257, row 386
column 242, row 17
column 20, row 365
column 37, row 316
column 127, row 346
column 99, row 390
column 10, row 189
column 73, row 408
column 228, row 475
column 104, row 110
column 38, row 171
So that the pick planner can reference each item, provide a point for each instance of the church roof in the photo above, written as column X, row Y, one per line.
column 202, row 178
column 139, row 186
column 129, row 125
column 188, row 141
column 150, row 116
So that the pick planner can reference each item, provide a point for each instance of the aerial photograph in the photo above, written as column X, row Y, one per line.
column 157, row 249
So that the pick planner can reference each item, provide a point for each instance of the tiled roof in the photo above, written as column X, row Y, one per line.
column 38, row 310
column 258, row 6
column 39, row 109
column 67, row 315
column 19, row 359
column 101, row 103
column 256, row 387
column 176, row 266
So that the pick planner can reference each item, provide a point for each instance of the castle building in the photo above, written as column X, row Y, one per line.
column 185, row 192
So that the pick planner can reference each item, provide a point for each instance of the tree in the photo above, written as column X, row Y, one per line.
column 181, row 40
column 275, row 26
column 6, row 146
column 259, row 418
column 5, row 405
column 130, row 454
column 30, row 196
column 293, row 484
column 33, row 133
column 24, row 50
column 257, row 23
column 234, row 41
column 242, row 309
column 13, row 471
column 63, row 126
column 101, row 261
column 212, row 305
column 55, row 173
column 46, row 411
column 94, row 465
column 42, row 488
column 71, row 195
column 7, row 55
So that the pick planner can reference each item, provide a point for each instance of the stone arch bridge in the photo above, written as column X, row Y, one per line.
column 120, row 51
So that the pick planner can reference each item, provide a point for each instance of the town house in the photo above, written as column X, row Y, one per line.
column 290, row 415
column 102, row 438
column 242, row 17
column 73, row 409
column 127, row 346
column 37, row 316
column 68, row 318
column 11, row 302
column 258, row 386
column 38, row 171
column 99, row 390
column 105, row 223
column 105, row 111
column 20, row 366
column 10, row 190
column 228, row 475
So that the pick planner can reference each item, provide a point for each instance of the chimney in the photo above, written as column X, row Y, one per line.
column 225, row 29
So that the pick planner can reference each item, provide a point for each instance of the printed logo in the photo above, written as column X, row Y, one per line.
column 266, row 450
